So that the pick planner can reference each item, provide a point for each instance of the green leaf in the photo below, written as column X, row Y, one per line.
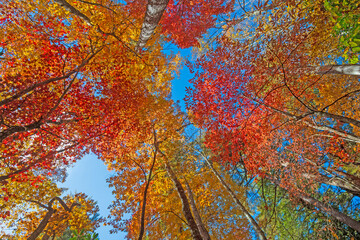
column 327, row 6
column 353, row 44
column 354, row 60
column 356, row 49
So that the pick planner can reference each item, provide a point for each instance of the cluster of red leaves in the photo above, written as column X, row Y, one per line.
column 247, row 109
column 186, row 21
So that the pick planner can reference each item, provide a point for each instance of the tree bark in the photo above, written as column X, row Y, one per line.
column 252, row 221
column 345, row 69
column 203, row 231
column 143, row 210
column 17, row 129
column 154, row 11
column 195, row 232
column 347, row 136
column 343, row 119
column 46, row 237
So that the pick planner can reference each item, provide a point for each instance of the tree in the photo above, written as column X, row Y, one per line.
column 261, row 108
column 183, row 200
column 72, row 82
column 75, row 235
column 62, row 93
column 40, row 211
column 276, row 90
column 286, row 219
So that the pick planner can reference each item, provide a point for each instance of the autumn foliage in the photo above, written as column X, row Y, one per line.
column 273, row 105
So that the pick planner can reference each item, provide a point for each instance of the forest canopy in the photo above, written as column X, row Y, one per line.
column 267, row 146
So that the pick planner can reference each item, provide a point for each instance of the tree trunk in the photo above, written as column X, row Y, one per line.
column 331, row 212
column 48, row 215
column 341, row 183
column 252, row 221
column 325, row 208
column 46, row 236
column 340, row 118
column 348, row 182
column 42, row 225
column 154, row 11
column 143, row 208
column 344, row 184
column 203, row 231
column 345, row 69
column 195, row 232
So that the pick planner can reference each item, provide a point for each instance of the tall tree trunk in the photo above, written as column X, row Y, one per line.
column 46, row 236
column 195, row 232
column 154, row 11
column 335, row 181
column 203, row 231
column 34, row 235
column 340, row 118
column 331, row 212
column 350, row 177
column 341, row 183
column 252, row 221
column 345, row 69
column 143, row 208
column 347, row 182
column 42, row 225
column 325, row 208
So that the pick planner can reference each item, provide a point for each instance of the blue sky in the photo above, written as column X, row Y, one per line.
column 89, row 174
